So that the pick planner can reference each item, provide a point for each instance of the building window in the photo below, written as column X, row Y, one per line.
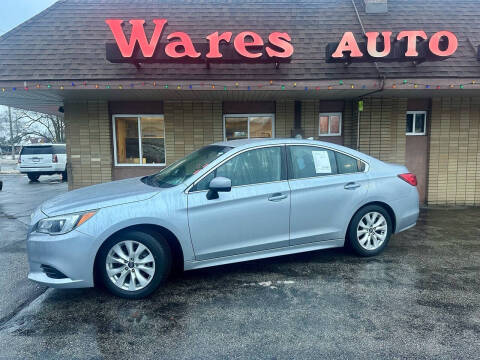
column 416, row 122
column 330, row 124
column 139, row 140
column 248, row 126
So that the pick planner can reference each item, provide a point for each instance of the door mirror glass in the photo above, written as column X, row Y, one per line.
column 218, row 184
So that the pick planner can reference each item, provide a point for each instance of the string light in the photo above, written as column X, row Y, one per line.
column 3, row 89
column 248, row 87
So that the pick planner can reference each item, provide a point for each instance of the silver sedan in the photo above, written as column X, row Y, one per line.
column 227, row 202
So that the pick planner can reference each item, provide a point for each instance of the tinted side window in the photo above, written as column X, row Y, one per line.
column 250, row 167
column 311, row 161
column 347, row 164
column 36, row 150
column 59, row 149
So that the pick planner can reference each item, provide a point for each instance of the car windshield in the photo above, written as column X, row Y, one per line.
column 184, row 168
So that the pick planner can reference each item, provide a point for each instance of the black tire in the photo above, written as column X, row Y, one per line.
column 64, row 176
column 160, row 251
column 352, row 240
column 33, row 177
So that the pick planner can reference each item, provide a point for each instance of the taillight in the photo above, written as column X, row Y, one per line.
column 409, row 178
column 54, row 158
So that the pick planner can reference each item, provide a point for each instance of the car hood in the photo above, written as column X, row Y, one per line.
column 99, row 196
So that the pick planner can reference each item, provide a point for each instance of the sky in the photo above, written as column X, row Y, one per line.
column 15, row 12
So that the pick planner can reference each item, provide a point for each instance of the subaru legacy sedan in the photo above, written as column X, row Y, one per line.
column 227, row 202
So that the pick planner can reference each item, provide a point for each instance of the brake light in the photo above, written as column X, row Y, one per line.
column 54, row 158
column 409, row 178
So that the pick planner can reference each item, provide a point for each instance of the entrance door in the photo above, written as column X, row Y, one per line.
column 253, row 216
column 416, row 152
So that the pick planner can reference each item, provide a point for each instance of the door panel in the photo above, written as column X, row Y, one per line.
column 322, row 206
column 326, row 186
column 248, row 218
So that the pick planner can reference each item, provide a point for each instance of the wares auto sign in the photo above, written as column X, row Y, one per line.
column 246, row 46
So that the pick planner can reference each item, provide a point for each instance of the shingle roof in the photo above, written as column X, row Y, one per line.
column 67, row 41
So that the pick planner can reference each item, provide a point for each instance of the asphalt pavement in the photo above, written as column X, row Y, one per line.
column 420, row 299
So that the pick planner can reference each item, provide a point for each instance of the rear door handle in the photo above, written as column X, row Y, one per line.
column 351, row 186
column 277, row 197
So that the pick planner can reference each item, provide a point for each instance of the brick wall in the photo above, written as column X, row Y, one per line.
column 382, row 128
column 89, row 149
column 454, row 164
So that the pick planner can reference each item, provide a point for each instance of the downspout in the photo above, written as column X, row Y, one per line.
column 380, row 76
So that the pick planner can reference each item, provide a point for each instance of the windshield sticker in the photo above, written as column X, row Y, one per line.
column 322, row 162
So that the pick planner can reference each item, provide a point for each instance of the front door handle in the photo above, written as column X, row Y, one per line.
column 351, row 186
column 277, row 197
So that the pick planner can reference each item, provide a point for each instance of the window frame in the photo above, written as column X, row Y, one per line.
column 414, row 113
column 284, row 168
column 290, row 162
column 329, row 114
column 140, row 152
column 248, row 116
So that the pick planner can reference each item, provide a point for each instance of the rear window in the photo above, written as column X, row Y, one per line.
column 41, row 150
column 37, row 150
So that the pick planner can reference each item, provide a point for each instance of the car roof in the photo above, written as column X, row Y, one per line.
column 43, row 144
column 249, row 143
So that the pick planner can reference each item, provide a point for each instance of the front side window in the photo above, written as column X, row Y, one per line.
column 248, row 126
column 139, row 140
column 183, row 169
column 250, row 167
column 416, row 122
column 311, row 161
column 330, row 124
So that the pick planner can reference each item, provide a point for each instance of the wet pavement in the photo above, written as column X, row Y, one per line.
column 419, row 299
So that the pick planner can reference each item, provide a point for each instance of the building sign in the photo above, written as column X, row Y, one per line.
column 412, row 45
column 246, row 46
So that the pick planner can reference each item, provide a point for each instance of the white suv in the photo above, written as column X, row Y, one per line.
column 43, row 159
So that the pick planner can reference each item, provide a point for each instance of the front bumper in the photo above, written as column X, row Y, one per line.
column 73, row 254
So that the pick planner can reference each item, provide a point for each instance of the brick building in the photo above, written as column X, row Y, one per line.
column 131, row 114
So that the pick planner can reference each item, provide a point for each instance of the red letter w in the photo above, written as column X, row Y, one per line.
column 138, row 34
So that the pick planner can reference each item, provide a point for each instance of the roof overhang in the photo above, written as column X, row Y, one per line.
column 49, row 97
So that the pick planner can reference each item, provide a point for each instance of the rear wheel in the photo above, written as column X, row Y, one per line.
column 33, row 177
column 370, row 230
column 133, row 264
column 64, row 176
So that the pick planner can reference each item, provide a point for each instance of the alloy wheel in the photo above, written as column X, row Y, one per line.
column 130, row 265
column 372, row 230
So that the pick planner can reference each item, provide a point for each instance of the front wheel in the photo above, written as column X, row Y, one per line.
column 133, row 264
column 369, row 231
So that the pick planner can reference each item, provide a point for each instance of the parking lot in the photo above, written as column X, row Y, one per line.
column 419, row 299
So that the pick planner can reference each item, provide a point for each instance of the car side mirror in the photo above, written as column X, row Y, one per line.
column 218, row 184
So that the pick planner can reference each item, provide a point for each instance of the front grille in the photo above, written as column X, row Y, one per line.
column 53, row 273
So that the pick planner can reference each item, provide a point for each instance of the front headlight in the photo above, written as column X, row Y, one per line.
column 62, row 224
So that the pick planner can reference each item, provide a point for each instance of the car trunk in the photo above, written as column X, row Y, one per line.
column 36, row 156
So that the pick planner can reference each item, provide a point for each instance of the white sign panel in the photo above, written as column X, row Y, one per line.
column 322, row 162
